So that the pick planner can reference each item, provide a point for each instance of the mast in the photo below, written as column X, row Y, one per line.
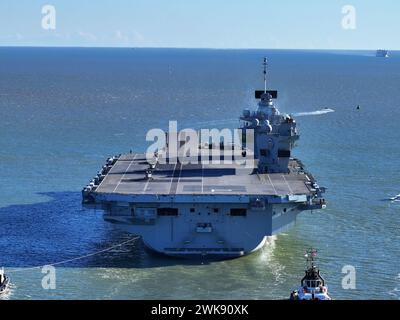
column 265, row 74
column 311, row 255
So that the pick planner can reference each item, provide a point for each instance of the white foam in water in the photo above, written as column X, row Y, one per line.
column 6, row 295
column 233, row 120
column 314, row 113
column 396, row 291
column 267, row 258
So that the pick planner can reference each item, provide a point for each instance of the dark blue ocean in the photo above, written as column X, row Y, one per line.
column 64, row 110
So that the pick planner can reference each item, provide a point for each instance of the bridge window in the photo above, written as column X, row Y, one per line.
column 283, row 153
column 238, row 212
column 167, row 211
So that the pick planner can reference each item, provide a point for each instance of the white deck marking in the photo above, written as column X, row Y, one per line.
column 290, row 189
column 119, row 182
column 202, row 178
column 145, row 186
column 179, row 177
column 172, row 178
column 272, row 184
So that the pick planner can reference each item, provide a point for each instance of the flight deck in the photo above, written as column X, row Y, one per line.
column 127, row 176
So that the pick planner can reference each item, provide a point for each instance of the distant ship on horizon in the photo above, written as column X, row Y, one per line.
column 382, row 53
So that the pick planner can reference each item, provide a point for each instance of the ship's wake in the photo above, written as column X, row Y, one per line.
column 232, row 121
column 6, row 295
column 396, row 291
column 267, row 258
column 314, row 113
column 395, row 198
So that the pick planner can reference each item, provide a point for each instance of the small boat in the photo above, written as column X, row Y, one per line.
column 4, row 282
column 395, row 198
column 312, row 285
column 358, row 107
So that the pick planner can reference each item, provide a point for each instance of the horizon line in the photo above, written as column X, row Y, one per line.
column 187, row 48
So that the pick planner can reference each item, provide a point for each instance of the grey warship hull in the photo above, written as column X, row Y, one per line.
column 212, row 210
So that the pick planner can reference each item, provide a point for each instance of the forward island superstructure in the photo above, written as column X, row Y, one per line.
column 205, row 208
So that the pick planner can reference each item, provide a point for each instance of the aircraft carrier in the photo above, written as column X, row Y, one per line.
column 208, row 206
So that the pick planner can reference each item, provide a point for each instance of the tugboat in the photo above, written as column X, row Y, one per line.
column 4, row 281
column 312, row 285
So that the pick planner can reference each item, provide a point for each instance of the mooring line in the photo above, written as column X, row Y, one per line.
column 73, row 259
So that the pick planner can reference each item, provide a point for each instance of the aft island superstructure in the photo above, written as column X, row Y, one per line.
column 207, row 208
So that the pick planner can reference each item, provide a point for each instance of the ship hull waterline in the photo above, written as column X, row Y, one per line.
column 230, row 237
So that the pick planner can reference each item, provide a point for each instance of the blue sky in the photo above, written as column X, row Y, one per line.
column 307, row 24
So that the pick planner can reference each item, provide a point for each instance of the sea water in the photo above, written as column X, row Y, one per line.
column 64, row 110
